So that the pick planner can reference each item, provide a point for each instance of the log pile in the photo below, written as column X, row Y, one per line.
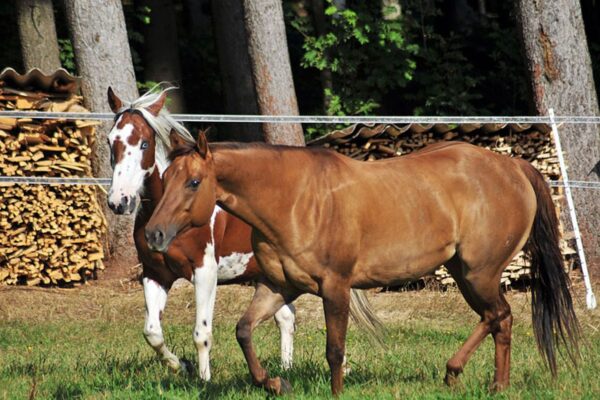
column 530, row 142
column 50, row 234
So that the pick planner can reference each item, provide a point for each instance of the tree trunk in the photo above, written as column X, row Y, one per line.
column 198, row 17
column 161, row 51
column 271, row 69
column 560, row 73
column 39, row 45
column 236, row 72
column 103, row 59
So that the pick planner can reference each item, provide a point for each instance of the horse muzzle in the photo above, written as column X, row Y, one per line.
column 125, row 206
column 158, row 239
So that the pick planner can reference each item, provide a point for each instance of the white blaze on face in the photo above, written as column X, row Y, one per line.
column 128, row 175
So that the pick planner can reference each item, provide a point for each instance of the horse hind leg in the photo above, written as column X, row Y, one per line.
column 481, row 290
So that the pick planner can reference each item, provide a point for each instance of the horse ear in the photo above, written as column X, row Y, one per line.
column 175, row 139
column 202, row 144
column 155, row 107
column 114, row 102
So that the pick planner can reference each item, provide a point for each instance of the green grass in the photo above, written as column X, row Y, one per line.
column 107, row 357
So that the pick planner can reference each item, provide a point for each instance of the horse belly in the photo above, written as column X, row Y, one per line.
column 401, row 263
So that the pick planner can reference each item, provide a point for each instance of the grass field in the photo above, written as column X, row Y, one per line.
column 87, row 343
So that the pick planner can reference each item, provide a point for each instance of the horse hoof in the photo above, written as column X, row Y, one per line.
column 279, row 386
column 451, row 380
column 346, row 369
column 187, row 367
column 285, row 386
column 497, row 387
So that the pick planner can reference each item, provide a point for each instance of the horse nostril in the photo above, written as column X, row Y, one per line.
column 154, row 238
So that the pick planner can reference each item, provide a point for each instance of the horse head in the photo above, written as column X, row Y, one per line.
column 189, row 196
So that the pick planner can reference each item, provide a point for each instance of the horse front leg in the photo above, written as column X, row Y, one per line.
column 266, row 302
column 205, row 289
column 336, row 304
column 286, row 321
column 155, row 296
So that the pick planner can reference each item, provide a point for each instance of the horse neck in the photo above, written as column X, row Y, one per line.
column 153, row 191
column 244, row 187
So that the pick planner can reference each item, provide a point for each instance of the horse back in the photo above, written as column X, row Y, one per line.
column 400, row 218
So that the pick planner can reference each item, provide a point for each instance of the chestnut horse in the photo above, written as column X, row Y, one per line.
column 217, row 252
column 324, row 223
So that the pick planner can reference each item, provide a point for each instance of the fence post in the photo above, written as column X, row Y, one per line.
column 590, row 299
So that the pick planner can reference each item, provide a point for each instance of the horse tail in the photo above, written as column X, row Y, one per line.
column 554, row 319
column 363, row 315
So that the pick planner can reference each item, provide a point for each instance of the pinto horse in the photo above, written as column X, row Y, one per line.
column 217, row 252
column 324, row 223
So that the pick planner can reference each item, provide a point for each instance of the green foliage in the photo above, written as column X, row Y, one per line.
column 426, row 62
column 67, row 56
column 145, row 86
column 472, row 69
column 367, row 56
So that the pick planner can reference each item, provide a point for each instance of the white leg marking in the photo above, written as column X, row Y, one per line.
column 205, row 287
column 156, row 299
column 346, row 367
column 286, row 321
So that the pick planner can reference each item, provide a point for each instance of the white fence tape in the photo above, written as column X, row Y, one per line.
column 44, row 180
column 590, row 298
column 321, row 119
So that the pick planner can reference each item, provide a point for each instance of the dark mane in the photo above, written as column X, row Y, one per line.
column 182, row 149
column 187, row 148
column 235, row 145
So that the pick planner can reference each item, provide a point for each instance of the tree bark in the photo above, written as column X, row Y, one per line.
column 271, row 68
column 161, row 51
column 560, row 73
column 198, row 17
column 103, row 59
column 39, row 44
column 236, row 72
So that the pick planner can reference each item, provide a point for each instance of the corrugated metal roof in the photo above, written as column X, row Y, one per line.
column 367, row 131
column 59, row 82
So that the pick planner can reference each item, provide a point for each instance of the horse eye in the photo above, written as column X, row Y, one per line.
column 194, row 183
column 144, row 145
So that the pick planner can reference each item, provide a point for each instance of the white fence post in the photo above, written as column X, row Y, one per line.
column 589, row 298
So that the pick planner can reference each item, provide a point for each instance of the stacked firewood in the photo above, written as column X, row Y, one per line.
column 530, row 142
column 50, row 234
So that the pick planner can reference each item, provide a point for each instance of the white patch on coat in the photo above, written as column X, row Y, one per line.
column 213, row 217
column 232, row 266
